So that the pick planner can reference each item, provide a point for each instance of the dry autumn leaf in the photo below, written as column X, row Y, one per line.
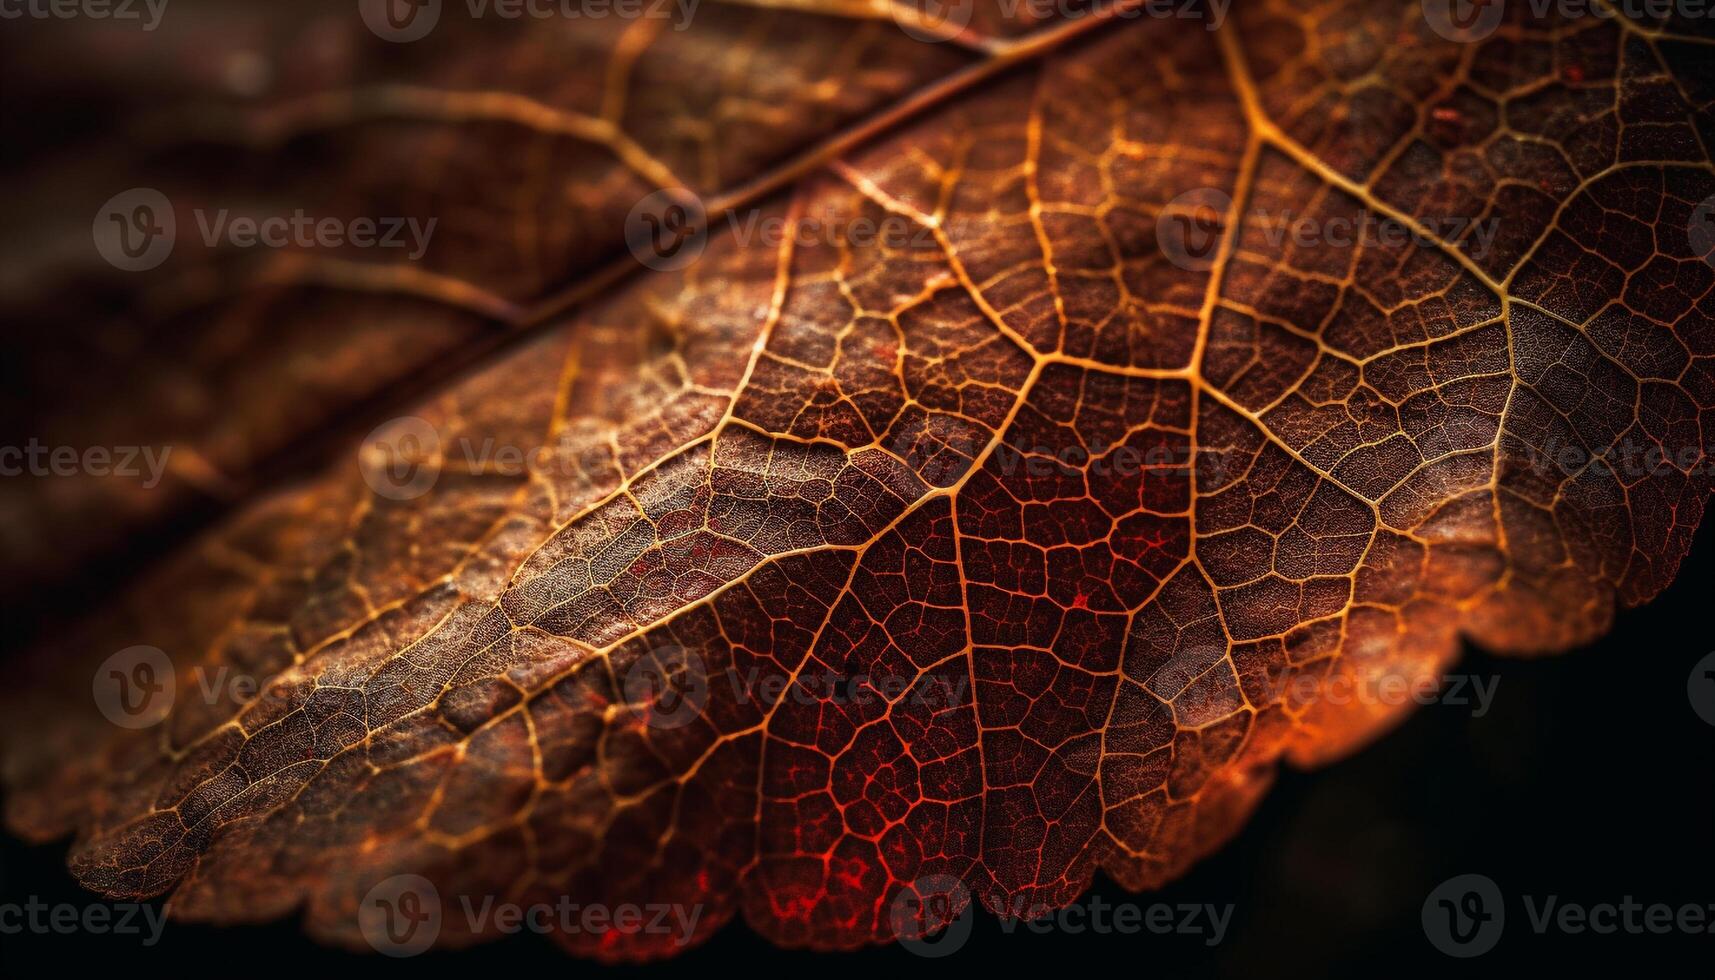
column 1018, row 445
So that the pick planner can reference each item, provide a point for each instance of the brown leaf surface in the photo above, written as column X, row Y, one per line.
column 813, row 458
column 526, row 143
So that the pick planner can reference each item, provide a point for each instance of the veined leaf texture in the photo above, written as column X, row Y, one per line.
column 1048, row 413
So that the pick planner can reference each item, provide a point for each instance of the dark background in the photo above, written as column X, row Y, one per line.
column 1589, row 778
